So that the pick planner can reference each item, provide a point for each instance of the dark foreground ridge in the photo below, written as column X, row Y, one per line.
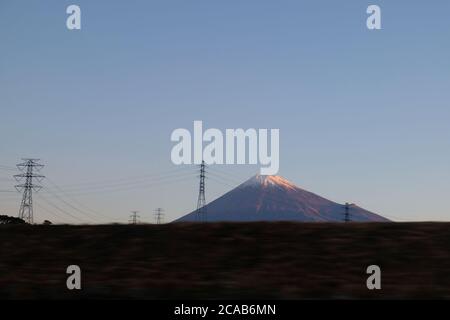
column 227, row 260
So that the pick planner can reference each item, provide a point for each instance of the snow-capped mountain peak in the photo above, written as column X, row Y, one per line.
column 268, row 181
column 274, row 198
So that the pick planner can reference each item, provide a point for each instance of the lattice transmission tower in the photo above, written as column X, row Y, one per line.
column 347, row 212
column 134, row 217
column 201, row 202
column 159, row 214
column 30, row 169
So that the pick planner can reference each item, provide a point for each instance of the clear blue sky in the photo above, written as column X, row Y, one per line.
column 363, row 115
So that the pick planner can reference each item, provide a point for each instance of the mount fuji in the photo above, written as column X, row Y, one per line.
column 273, row 198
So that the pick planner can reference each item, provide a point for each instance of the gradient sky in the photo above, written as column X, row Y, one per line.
column 363, row 115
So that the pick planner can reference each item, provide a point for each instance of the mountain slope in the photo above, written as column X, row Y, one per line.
column 273, row 198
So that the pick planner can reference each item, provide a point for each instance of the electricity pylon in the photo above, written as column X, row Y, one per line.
column 28, row 168
column 347, row 212
column 134, row 217
column 159, row 215
column 201, row 202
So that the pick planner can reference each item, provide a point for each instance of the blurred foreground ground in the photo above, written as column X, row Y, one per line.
column 226, row 260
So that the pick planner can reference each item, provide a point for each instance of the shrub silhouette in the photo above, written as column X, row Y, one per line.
column 10, row 220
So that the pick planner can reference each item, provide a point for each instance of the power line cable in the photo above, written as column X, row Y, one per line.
column 90, row 216
column 51, row 212
column 124, row 184
column 228, row 173
column 3, row 167
column 132, row 187
column 220, row 181
column 219, row 176
column 59, row 209
column 76, row 201
column 132, row 179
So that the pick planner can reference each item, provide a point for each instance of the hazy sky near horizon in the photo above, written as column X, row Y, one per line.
column 363, row 115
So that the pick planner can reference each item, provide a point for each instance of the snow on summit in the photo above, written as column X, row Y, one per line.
column 266, row 181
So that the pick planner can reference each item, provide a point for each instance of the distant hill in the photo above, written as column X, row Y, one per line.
column 273, row 198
